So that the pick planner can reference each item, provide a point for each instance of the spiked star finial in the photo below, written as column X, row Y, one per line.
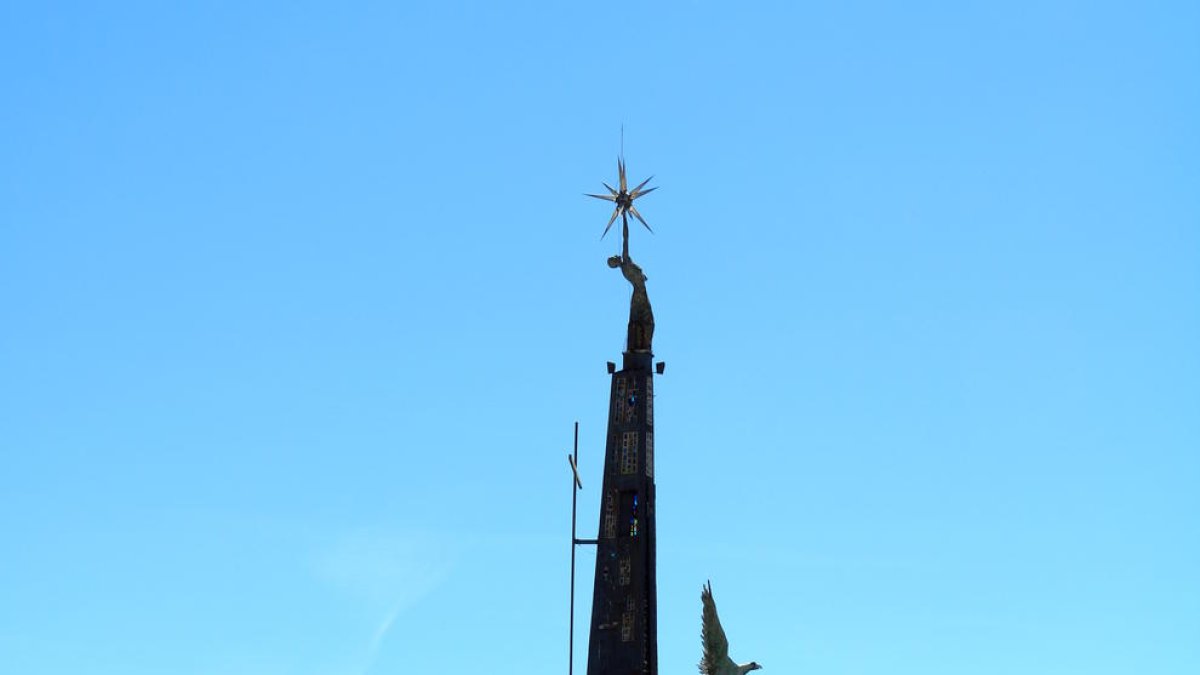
column 624, row 199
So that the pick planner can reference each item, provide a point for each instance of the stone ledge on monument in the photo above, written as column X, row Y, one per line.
column 638, row 361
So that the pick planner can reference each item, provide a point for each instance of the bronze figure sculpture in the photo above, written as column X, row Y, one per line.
column 641, row 317
column 716, row 659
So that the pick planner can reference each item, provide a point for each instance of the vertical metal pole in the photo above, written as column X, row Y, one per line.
column 574, row 500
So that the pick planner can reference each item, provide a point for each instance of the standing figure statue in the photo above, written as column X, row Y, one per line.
column 641, row 318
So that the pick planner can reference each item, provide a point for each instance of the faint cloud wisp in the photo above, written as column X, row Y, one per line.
column 389, row 572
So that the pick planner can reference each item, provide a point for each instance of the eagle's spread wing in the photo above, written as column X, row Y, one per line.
column 716, row 659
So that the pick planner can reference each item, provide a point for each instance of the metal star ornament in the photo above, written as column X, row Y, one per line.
column 624, row 199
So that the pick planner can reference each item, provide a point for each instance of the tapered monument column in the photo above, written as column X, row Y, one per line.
column 623, row 629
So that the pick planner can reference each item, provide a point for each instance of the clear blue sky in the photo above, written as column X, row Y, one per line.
column 299, row 301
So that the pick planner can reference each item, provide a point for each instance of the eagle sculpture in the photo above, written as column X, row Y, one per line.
column 716, row 659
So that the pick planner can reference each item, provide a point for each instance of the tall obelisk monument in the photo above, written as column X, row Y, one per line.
column 624, row 623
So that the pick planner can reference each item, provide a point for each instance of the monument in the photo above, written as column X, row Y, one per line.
column 624, row 609
column 624, row 623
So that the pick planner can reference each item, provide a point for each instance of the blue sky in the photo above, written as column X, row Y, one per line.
column 299, row 302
